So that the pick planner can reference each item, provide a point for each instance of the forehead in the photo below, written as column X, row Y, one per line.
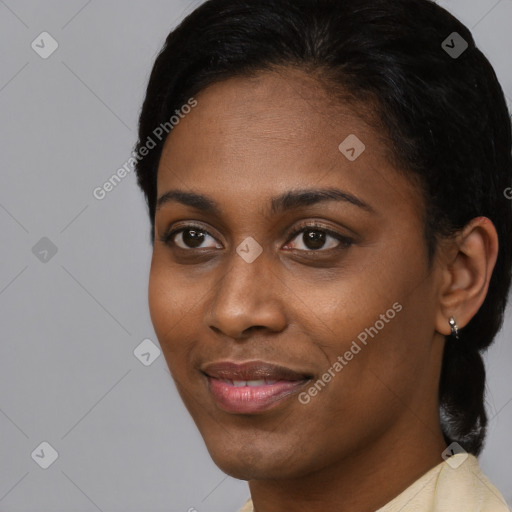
column 271, row 109
column 264, row 134
column 279, row 98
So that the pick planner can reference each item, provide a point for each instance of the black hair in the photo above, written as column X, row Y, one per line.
column 444, row 115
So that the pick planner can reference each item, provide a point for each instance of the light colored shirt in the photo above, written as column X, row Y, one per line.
column 457, row 486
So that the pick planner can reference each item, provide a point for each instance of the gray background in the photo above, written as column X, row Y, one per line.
column 70, row 324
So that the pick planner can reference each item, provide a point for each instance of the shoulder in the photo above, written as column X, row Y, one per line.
column 456, row 484
column 247, row 507
column 463, row 485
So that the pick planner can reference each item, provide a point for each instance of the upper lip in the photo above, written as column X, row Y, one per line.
column 252, row 370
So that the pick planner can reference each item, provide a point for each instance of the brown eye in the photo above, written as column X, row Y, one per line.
column 315, row 238
column 190, row 237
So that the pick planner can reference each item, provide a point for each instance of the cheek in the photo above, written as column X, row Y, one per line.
column 173, row 308
column 384, row 360
column 161, row 304
column 337, row 312
column 369, row 320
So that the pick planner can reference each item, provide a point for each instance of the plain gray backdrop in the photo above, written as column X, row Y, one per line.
column 73, row 278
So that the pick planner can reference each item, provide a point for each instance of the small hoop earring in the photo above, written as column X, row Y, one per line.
column 454, row 327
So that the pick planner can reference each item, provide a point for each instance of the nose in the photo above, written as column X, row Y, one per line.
column 249, row 297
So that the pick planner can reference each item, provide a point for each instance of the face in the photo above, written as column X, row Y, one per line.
column 282, row 265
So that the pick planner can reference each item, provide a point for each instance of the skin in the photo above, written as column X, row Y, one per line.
column 375, row 428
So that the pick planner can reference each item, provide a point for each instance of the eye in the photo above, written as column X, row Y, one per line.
column 314, row 237
column 189, row 237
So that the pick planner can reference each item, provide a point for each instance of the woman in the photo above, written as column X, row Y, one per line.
column 331, row 247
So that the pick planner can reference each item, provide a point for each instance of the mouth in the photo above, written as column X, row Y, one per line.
column 252, row 387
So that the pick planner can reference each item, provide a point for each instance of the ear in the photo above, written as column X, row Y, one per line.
column 467, row 268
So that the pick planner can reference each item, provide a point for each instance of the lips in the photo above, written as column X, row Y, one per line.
column 252, row 387
column 252, row 371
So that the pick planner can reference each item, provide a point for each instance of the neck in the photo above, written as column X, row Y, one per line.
column 364, row 481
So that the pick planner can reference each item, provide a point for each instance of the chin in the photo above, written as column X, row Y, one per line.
column 250, row 462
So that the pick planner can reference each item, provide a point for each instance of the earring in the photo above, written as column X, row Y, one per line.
column 455, row 327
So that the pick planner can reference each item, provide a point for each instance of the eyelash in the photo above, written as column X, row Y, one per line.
column 345, row 242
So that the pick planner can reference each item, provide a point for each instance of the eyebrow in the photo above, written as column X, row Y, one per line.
column 287, row 201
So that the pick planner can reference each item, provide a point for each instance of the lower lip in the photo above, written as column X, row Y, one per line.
column 252, row 399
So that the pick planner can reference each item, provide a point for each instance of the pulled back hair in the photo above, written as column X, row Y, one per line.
column 445, row 120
